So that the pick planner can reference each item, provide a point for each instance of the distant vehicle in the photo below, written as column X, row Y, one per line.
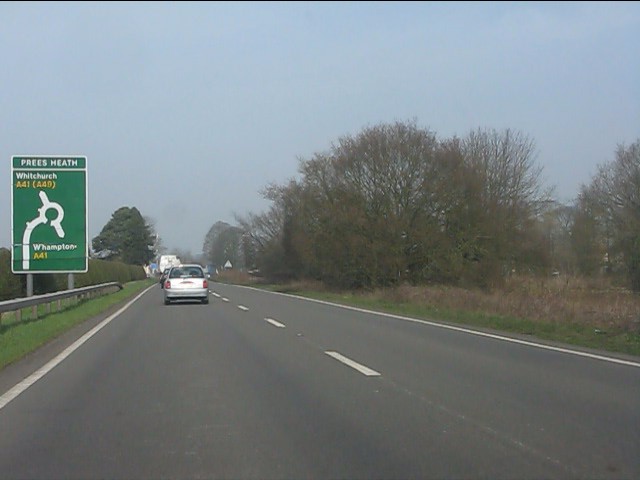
column 166, row 261
column 164, row 275
column 186, row 282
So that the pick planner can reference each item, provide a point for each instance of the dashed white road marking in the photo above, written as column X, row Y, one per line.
column 224, row 299
column 275, row 323
column 243, row 308
column 355, row 365
column 217, row 295
column 469, row 331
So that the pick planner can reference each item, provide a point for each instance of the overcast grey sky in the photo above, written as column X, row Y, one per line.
column 187, row 110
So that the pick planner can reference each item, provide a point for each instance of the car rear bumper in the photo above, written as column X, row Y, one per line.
column 186, row 294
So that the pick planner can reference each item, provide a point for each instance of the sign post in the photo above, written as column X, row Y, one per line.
column 49, row 210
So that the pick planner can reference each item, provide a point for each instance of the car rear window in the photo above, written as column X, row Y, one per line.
column 192, row 272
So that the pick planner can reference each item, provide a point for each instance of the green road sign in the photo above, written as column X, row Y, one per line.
column 49, row 210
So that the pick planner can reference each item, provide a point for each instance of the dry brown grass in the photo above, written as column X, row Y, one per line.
column 236, row 277
column 242, row 278
column 590, row 302
column 563, row 300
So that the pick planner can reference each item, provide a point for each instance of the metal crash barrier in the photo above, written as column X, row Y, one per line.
column 48, row 299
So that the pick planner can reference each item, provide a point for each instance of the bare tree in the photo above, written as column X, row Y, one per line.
column 263, row 235
column 589, row 233
column 223, row 243
column 210, row 243
column 362, row 202
column 393, row 204
column 558, row 223
column 507, row 197
column 615, row 189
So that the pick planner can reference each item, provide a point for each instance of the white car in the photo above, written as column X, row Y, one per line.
column 186, row 282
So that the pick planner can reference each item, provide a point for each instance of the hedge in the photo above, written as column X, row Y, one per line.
column 100, row 271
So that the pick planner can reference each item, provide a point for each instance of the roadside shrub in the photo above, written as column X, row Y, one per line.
column 99, row 271
column 11, row 286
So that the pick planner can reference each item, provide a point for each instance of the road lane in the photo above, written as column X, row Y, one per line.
column 212, row 391
column 579, row 412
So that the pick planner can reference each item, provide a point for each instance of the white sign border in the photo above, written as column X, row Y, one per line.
column 86, row 212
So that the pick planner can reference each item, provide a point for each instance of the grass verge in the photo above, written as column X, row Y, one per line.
column 19, row 339
column 618, row 341
column 604, row 332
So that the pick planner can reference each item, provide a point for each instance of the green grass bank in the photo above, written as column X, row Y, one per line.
column 18, row 339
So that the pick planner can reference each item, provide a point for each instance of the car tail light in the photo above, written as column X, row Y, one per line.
column 205, row 284
column 167, row 284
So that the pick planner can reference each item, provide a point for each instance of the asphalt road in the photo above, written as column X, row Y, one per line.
column 261, row 385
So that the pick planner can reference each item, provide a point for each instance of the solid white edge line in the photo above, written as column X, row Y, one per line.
column 355, row 365
column 41, row 372
column 243, row 308
column 275, row 323
column 593, row 356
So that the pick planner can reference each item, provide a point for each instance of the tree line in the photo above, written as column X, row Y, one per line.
column 396, row 204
